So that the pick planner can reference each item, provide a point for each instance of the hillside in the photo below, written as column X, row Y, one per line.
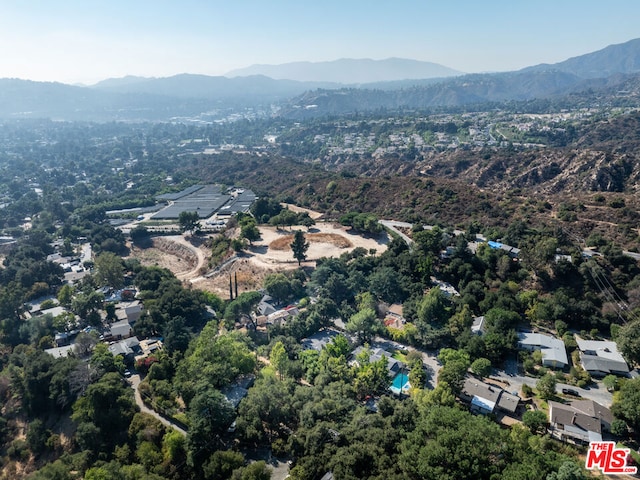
column 623, row 58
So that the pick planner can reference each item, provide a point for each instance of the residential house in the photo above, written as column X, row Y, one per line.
column 149, row 346
column 393, row 366
column 319, row 340
column 512, row 251
column 479, row 326
column 601, row 358
column 121, row 329
column 554, row 353
column 280, row 317
column 448, row 289
column 128, row 348
column 485, row 398
column 394, row 318
column 235, row 392
column 129, row 311
column 580, row 421
column 265, row 307
column 62, row 352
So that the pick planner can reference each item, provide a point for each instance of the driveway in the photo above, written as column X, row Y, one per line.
column 134, row 381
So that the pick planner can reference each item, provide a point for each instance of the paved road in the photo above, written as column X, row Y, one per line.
column 134, row 381
column 596, row 392
column 393, row 226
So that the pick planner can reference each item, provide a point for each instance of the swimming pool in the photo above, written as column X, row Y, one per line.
column 400, row 384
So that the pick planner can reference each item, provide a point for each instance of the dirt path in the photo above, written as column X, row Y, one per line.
column 201, row 258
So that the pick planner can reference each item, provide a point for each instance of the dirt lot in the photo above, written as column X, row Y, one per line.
column 186, row 258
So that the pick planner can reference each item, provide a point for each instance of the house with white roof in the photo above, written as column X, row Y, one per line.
column 554, row 353
column 601, row 358
column 479, row 325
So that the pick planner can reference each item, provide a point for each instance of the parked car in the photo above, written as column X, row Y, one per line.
column 570, row 391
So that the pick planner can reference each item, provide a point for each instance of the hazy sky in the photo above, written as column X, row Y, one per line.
column 87, row 41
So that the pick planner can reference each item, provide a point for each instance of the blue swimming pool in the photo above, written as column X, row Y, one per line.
column 400, row 383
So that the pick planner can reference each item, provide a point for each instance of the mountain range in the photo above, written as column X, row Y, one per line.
column 389, row 84
column 350, row 71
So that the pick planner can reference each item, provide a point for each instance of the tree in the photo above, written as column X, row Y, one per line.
column 569, row 470
column 222, row 464
column 139, row 234
column 455, row 364
column 364, row 324
column 189, row 221
column 481, row 367
column 65, row 295
column 627, row 404
column 619, row 428
column 107, row 409
column 278, row 286
column 611, row 382
column 432, row 309
column 279, row 358
column 209, row 414
column 448, row 443
column 535, row 420
column 386, row 284
column 250, row 232
column 628, row 339
column 267, row 410
column 254, row 471
column 299, row 247
column 547, row 386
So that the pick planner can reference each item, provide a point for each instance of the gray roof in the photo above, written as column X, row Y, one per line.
column 584, row 414
column 265, row 308
column 238, row 390
column 601, row 356
column 593, row 409
column 489, row 395
column 125, row 347
column 393, row 365
column 594, row 363
column 120, row 329
column 565, row 415
column 319, row 340
column 552, row 348
column 205, row 200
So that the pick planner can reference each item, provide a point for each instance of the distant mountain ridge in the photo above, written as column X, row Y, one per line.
column 613, row 73
column 349, row 71
column 187, row 85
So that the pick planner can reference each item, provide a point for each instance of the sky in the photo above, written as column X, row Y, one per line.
column 73, row 41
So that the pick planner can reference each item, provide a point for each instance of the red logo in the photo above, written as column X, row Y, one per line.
column 608, row 458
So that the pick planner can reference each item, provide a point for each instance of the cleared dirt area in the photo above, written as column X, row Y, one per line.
column 325, row 240
column 283, row 243
column 174, row 253
column 187, row 257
